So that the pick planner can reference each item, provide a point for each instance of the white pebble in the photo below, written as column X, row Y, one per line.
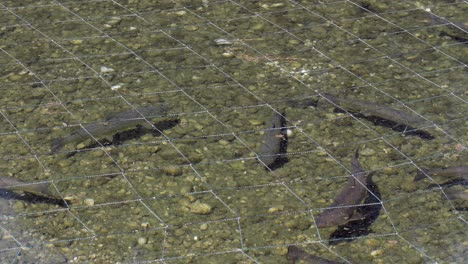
column 142, row 241
column 116, row 87
column 105, row 69
column 89, row 201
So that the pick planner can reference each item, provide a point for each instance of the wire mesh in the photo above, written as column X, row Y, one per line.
column 192, row 183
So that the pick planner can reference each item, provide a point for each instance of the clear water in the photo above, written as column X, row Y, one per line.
column 194, row 191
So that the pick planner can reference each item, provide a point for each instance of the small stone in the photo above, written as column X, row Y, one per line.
column 203, row 226
column 200, row 208
column 367, row 152
column 172, row 170
column 228, row 54
column 275, row 209
column 114, row 20
column 98, row 153
column 142, row 241
column 180, row 13
column 116, row 87
column 89, row 201
column 191, row 28
column 76, row 41
column 376, row 252
column 255, row 122
column 224, row 42
column 65, row 163
column 223, row 142
column 372, row 242
column 105, row 69
column 81, row 145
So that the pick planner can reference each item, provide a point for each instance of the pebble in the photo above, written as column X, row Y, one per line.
column 172, row 170
column 228, row 54
column 221, row 41
column 76, row 41
column 142, row 241
column 367, row 152
column 376, row 252
column 200, row 208
column 89, row 201
column 116, row 87
column 275, row 209
column 191, row 28
column 105, row 69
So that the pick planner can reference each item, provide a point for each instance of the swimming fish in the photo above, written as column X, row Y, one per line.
column 112, row 124
column 272, row 138
column 460, row 172
column 343, row 208
column 10, row 183
column 373, row 109
column 296, row 254
column 369, row 212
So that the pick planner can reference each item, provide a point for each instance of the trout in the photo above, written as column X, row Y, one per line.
column 343, row 208
column 373, row 109
column 112, row 124
column 271, row 141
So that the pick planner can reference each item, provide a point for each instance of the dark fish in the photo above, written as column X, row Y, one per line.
column 112, row 124
column 270, row 147
column 296, row 254
column 459, row 172
column 343, row 208
column 134, row 133
column 373, row 109
column 9, row 183
column 370, row 212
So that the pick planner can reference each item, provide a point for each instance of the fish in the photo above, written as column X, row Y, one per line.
column 361, row 227
column 115, row 123
column 134, row 133
column 10, row 183
column 459, row 172
column 296, row 254
column 373, row 109
column 272, row 139
column 343, row 208
column 457, row 194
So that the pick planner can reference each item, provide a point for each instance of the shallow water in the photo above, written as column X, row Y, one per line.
column 197, row 193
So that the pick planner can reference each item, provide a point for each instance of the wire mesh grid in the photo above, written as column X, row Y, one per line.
column 134, row 131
